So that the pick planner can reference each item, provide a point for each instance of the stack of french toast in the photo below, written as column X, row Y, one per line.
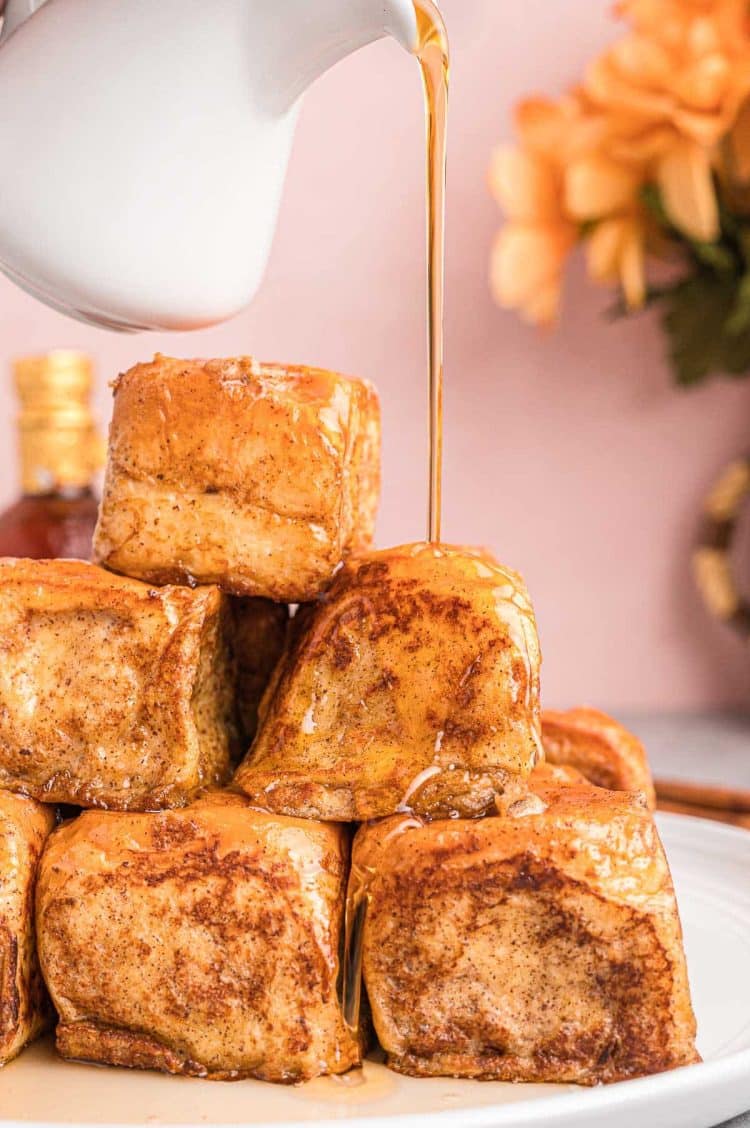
column 268, row 795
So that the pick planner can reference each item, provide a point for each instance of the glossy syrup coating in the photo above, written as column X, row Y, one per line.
column 544, row 945
column 261, row 478
column 600, row 748
column 112, row 693
column 412, row 685
column 203, row 941
column 24, row 1006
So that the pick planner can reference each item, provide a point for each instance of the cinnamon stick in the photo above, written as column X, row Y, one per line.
column 703, row 795
column 734, row 818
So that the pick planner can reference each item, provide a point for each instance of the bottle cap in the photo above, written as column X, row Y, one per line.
column 60, row 444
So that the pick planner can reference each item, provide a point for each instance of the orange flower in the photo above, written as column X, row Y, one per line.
column 615, row 253
column 644, row 87
column 596, row 186
column 530, row 251
column 559, row 131
column 526, row 271
column 702, row 25
column 733, row 163
column 526, row 185
column 685, row 178
column 559, row 180
column 667, row 105
column 670, row 91
column 601, row 189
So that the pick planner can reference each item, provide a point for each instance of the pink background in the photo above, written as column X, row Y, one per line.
column 570, row 453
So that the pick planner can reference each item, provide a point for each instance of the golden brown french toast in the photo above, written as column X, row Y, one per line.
column 600, row 748
column 544, row 945
column 112, row 693
column 24, row 1006
column 412, row 685
column 258, row 477
column 202, row 941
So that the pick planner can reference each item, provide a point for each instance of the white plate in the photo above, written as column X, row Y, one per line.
column 711, row 867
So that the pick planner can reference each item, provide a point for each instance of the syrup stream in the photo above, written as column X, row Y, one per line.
column 433, row 56
column 354, row 924
column 432, row 53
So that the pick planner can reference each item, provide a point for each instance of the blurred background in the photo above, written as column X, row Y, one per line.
column 569, row 453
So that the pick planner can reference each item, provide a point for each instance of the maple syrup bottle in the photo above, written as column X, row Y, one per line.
column 60, row 452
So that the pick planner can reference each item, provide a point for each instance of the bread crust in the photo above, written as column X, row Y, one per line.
column 258, row 477
column 413, row 685
column 600, row 748
column 112, row 693
column 544, row 946
column 202, row 941
column 24, row 1006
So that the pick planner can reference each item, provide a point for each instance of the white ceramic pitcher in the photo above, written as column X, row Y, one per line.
column 144, row 143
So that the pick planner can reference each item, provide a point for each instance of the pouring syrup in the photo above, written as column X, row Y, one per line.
column 432, row 53
column 433, row 56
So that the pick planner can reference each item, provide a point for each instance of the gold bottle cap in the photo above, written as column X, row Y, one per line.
column 60, row 445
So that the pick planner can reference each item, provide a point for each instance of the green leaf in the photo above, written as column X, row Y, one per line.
column 735, row 355
column 698, row 316
column 653, row 203
column 743, row 242
column 738, row 321
column 724, row 255
column 653, row 296
column 728, row 221
column 706, row 315
column 717, row 256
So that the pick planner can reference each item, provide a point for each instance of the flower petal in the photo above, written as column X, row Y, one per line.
column 596, row 186
column 609, row 88
column 538, row 121
column 685, row 178
column 641, row 60
column 527, row 187
column 526, row 261
column 736, row 148
column 642, row 146
column 544, row 307
column 603, row 248
column 703, row 85
column 633, row 265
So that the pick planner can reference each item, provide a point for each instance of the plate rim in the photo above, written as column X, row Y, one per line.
column 544, row 1109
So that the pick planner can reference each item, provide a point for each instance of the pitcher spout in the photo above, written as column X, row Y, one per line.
column 313, row 37
column 400, row 21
